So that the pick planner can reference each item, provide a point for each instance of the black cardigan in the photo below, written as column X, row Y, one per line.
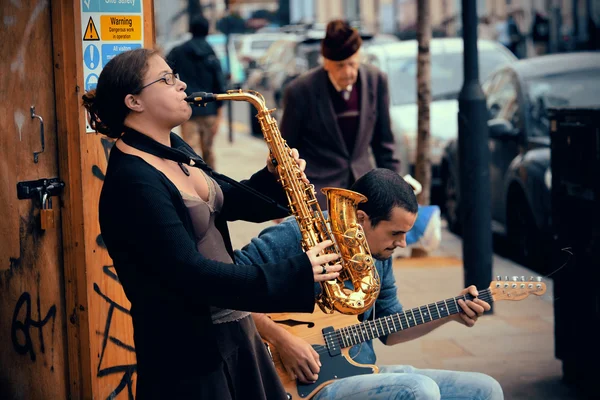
column 149, row 235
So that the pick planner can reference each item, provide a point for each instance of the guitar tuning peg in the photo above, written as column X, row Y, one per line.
column 522, row 279
column 498, row 278
column 539, row 278
column 531, row 278
column 505, row 277
column 515, row 278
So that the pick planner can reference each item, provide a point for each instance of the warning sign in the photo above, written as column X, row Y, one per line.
column 121, row 27
column 108, row 28
column 91, row 33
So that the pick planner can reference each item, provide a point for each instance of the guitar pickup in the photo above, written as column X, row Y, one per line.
column 332, row 341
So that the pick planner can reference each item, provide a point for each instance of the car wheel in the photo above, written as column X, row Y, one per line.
column 524, row 236
column 451, row 202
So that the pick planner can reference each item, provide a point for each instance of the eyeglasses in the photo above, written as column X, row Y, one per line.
column 169, row 78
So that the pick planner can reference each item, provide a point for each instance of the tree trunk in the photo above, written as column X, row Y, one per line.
column 423, row 156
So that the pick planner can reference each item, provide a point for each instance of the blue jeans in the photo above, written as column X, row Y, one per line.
column 403, row 382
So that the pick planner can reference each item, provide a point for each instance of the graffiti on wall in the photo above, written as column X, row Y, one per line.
column 110, row 340
column 23, row 324
column 30, row 321
column 126, row 370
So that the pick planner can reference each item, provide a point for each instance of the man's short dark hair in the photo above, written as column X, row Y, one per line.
column 385, row 190
column 199, row 26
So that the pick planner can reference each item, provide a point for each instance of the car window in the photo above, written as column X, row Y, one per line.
column 260, row 44
column 572, row 89
column 446, row 74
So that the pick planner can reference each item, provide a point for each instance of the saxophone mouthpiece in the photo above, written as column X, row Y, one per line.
column 201, row 98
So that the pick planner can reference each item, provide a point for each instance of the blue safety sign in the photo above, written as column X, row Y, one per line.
column 111, row 50
column 120, row 6
column 91, row 81
column 91, row 57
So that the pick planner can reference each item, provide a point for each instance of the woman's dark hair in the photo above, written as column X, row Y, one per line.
column 122, row 75
column 385, row 190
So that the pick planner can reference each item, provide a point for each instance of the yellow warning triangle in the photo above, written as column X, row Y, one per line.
column 91, row 33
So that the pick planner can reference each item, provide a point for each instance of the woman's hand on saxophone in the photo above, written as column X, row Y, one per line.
column 299, row 161
column 321, row 270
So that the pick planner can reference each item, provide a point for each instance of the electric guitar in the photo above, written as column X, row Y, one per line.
column 332, row 335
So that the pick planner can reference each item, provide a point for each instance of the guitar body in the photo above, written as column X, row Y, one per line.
column 333, row 366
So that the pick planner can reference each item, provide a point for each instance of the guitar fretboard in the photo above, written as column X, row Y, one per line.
column 355, row 334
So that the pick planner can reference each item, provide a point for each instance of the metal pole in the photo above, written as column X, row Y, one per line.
column 377, row 8
column 555, row 27
column 229, row 71
column 396, row 8
column 473, row 155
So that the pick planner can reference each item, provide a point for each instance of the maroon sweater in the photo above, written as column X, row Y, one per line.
column 347, row 112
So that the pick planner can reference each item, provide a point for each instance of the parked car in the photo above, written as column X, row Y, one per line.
column 300, row 56
column 399, row 62
column 252, row 46
column 518, row 96
column 272, row 65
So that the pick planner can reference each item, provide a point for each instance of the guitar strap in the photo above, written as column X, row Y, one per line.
column 148, row 145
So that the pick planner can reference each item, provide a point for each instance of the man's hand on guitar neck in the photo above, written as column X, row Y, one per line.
column 471, row 309
column 298, row 357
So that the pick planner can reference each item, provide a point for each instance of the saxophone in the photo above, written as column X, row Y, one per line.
column 342, row 227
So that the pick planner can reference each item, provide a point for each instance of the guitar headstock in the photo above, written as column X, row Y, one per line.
column 516, row 288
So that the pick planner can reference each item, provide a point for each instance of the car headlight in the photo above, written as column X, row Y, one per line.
column 548, row 178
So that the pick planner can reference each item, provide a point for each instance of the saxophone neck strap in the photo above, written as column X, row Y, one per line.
column 148, row 145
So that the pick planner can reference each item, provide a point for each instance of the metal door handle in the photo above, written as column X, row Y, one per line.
column 34, row 115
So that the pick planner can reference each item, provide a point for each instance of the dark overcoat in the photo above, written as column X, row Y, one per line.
column 309, row 124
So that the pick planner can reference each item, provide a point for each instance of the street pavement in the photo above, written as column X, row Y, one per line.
column 514, row 344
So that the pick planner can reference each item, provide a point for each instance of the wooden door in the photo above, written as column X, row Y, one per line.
column 33, row 349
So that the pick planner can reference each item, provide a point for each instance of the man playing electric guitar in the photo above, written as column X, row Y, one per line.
column 387, row 216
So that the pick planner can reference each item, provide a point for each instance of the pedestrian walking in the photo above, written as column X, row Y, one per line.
column 540, row 33
column 197, row 64
column 337, row 115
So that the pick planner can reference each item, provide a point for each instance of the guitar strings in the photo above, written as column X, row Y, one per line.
column 357, row 333
column 337, row 334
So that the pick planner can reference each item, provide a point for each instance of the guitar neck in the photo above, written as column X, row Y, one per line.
column 368, row 330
